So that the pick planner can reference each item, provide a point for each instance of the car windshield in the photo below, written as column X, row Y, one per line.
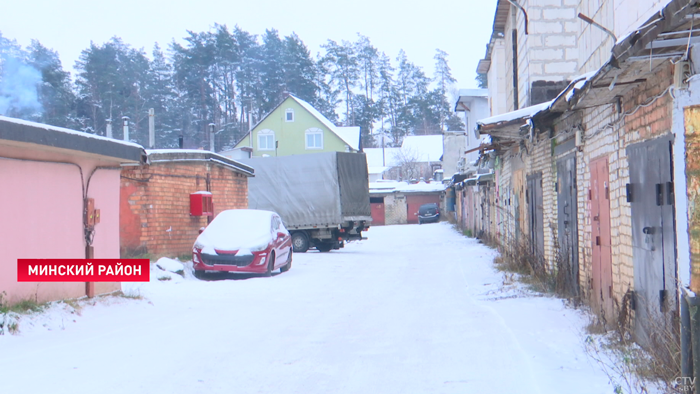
column 427, row 207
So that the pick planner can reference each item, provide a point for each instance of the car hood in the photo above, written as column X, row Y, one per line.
column 232, row 235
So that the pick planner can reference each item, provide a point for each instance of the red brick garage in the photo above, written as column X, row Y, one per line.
column 155, row 199
column 415, row 200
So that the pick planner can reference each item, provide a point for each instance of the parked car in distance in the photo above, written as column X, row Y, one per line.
column 428, row 213
column 246, row 241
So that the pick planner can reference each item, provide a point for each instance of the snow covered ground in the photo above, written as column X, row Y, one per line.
column 414, row 309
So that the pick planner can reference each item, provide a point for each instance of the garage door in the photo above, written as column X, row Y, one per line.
column 415, row 201
column 377, row 204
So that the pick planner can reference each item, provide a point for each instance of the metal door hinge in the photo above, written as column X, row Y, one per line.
column 659, row 194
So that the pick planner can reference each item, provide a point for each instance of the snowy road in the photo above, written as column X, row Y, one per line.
column 414, row 309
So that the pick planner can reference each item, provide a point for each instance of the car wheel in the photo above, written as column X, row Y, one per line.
column 199, row 274
column 324, row 246
column 287, row 266
column 270, row 264
column 300, row 242
column 420, row 221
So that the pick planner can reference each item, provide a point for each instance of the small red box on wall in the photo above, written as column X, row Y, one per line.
column 201, row 205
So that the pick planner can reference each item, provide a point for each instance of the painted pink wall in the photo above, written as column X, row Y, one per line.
column 41, row 217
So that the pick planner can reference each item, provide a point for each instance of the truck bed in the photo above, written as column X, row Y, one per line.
column 311, row 190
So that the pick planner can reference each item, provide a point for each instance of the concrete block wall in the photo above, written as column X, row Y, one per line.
column 395, row 209
column 155, row 204
column 547, row 53
column 619, row 16
column 553, row 35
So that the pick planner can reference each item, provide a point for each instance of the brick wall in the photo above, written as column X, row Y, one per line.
column 612, row 142
column 155, row 204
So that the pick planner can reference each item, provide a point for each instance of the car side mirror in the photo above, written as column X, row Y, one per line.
column 280, row 234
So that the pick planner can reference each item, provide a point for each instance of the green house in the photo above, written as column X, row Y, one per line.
column 295, row 127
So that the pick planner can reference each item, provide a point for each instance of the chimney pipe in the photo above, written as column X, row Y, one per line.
column 181, row 141
column 151, row 129
column 212, row 132
column 109, row 128
column 126, row 128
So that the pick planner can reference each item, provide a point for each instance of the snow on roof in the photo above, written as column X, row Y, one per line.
column 474, row 92
column 405, row 187
column 422, row 187
column 156, row 151
column 67, row 131
column 377, row 170
column 351, row 135
column 426, row 147
column 374, row 157
column 384, row 185
column 526, row 112
column 576, row 84
column 314, row 112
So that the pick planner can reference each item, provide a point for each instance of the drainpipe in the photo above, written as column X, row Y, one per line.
column 690, row 337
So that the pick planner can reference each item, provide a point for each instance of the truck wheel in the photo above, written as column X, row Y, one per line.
column 300, row 242
column 324, row 246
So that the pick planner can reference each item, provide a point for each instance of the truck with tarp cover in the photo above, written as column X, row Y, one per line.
column 323, row 198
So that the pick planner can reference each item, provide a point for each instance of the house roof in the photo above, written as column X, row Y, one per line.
column 426, row 147
column 466, row 96
column 26, row 132
column 375, row 158
column 196, row 155
column 349, row 135
column 377, row 170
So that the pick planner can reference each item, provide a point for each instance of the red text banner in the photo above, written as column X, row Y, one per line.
column 83, row 270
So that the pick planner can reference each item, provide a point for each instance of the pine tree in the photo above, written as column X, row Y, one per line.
column 444, row 79
column 341, row 62
column 55, row 93
column 272, row 71
column 299, row 69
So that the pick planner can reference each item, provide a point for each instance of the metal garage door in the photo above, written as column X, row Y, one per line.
column 650, row 194
column 378, row 212
column 415, row 201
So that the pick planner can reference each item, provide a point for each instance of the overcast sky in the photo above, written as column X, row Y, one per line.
column 460, row 28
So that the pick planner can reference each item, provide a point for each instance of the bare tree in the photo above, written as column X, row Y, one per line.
column 408, row 163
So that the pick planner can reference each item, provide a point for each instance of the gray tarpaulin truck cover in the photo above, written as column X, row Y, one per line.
column 317, row 189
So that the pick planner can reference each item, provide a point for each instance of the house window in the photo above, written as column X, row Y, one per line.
column 314, row 138
column 289, row 115
column 266, row 140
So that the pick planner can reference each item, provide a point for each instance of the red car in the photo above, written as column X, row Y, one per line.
column 243, row 241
